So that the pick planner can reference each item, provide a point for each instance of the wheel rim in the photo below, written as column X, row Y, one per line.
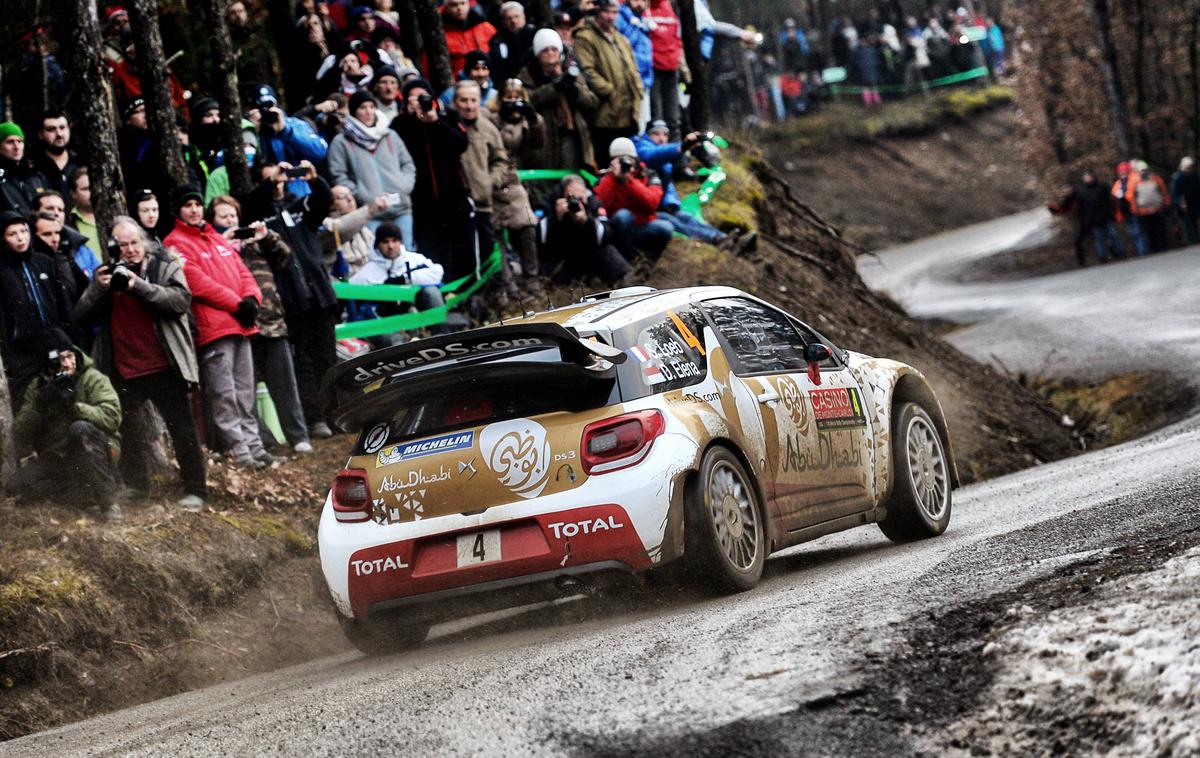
column 927, row 468
column 734, row 516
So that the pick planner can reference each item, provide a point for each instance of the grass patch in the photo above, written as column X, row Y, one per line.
column 1119, row 408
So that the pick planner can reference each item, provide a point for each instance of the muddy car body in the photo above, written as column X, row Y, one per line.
column 612, row 437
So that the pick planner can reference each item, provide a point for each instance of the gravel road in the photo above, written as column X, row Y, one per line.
column 851, row 645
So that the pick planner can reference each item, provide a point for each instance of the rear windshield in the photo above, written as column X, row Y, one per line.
column 666, row 352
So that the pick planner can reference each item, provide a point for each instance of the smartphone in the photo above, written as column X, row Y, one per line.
column 243, row 233
column 295, row 173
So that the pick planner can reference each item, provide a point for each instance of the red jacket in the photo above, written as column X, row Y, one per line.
column 217, row 278
column 664, row 35
column 637, row 195
column 463, row 37
column 127, row 85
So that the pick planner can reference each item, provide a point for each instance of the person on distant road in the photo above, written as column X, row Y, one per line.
column 1149, row 200
column 1185, row 192
column 1094, row 211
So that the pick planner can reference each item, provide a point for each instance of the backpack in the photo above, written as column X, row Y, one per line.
column 1148, row 196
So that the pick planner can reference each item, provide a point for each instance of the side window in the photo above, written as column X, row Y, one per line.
column 761, row 340
column 665, row 353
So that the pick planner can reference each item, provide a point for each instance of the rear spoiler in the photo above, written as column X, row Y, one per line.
column 349, row 386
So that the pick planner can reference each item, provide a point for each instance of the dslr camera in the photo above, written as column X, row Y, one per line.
column 513, row 111
column 705, row 152
column 628, row 164
column 574, row 205
column 57, row 377
column 120, row 272
column 425, row 102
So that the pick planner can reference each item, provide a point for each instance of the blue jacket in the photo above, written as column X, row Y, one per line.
column 660, row 159
column 297, row 142
column 634, row 29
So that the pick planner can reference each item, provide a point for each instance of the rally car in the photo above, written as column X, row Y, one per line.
column 699, row 427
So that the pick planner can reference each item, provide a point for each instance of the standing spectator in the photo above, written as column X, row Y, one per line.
column 1093, row 209
column 126, row 80
column 283, row 138
column 144, row 345
column 252, row 46
column 574, row 242
column 263, row 254
column 349, row 69
column 69, row 417
column 485, row 162
column 793, row 47
column 362, row 24
column 442, row 209
column 510, row 48
column 19, row 182
column 632, row 23
column 563, row 99
column 148, row 214
column 55, row 160
column 225, row 302
column 668, row 56
column 1125, row 214
column 371, row 160
column 32, row 304
column 632, row 194
column 309, row 304
column 917, row 52
column 1185, row 191
column 205, row 132
column 387, row 40
column 466, row 29
column 606, row 58
column 475, row 68
column 868, row 70
column 996, row 47
column 520, row 128
column 74, row 245
column 82, row 217
column 47, row 240
column 386, row 87
column 1149, row 199
column 315, row 39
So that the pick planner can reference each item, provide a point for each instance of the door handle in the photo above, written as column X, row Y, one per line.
column 769, row 396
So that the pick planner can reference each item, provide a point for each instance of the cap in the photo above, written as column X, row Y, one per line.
column 182, row 194
column 132, row 105
column 546, row 38
column 8, row 218
column 386, row 71
column 605, row 4
column 413, row 84
column 358, row 98
column 387, row 231
column 622, row 146
column 473, row 59
column 790, row 23
column 1124, row 167
column 657, row 125
column 202, row 105
column 359, row 11
column 114, row 12
column 1141, row 165
column 265, row 97
column 9, row 129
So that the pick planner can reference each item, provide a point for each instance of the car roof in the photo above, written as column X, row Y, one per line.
column 615, row 311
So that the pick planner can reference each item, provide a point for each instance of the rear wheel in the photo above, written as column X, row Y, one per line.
column 920, row 504
column 725, row 536
column 383, row 636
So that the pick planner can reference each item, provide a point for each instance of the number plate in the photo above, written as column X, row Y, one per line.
column 478, row 547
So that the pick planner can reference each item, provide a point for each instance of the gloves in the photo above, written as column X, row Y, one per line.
column 53, row 393
column 247, row 311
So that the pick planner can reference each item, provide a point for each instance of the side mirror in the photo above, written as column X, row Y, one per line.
column 817, row 353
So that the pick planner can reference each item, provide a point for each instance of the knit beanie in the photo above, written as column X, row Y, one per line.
column 546, row 38
column 622, row 146
column 184, row 193
column 412, row 84
column 8, row 218
column 358, row 98
column 9, row 129
column 387, row 231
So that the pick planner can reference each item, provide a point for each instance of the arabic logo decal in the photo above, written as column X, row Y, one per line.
column 519, row 454
column 376, row 438
column 468, row 466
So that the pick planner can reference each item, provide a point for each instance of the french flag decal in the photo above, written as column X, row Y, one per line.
column 651, row 374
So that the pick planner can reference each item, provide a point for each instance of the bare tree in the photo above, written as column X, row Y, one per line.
column 429, row 21
column 224, row 64
column 156, row 89
column 1101, row 21
column 8, row 444
column 78, row 32
column 698, row 108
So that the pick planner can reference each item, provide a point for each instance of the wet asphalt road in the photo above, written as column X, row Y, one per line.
column 667, row 670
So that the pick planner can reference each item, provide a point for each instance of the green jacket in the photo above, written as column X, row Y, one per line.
column 612, row 74
column 164, row 291
column 43, row 428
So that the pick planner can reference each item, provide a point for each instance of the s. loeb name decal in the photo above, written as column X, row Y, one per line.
column 838, row 408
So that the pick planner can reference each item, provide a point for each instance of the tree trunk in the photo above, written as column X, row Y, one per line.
column 437, row 56
column 698, row 109
column 1114, row 90
column 1194, row 68
column 8, row 443
column 224, row 73
column 410, row 40
column 78, row 31
column 156, row 90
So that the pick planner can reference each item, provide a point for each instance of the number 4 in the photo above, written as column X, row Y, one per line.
column 478, row 550
column 688, row 337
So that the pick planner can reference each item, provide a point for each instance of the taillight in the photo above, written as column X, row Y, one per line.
column 620, row 442
column 351, row 496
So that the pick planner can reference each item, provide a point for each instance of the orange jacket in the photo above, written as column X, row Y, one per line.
column 1131, row 194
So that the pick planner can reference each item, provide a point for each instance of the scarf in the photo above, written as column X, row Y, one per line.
column 365, row 136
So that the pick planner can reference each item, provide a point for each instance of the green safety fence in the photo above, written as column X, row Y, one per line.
column 460, row 289
column 943, row 81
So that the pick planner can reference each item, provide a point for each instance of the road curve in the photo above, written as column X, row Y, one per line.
column 671, row 670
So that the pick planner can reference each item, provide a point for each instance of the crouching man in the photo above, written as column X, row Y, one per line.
column 70, row 418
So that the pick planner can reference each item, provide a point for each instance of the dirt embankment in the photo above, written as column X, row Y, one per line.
column 99, row 616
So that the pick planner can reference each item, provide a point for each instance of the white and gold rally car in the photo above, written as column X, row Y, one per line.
column 513, row 463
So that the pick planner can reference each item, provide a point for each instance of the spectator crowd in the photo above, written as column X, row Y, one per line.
column 361, row 171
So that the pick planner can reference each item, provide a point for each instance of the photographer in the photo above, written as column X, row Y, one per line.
column 562, row 98
column 371, row 160
column 139, row 303
column 70, row 418
column 631, row 193
column 225, row 302
column 574, row 241
column 521, row 128
column 283, row 138
column 442, row 209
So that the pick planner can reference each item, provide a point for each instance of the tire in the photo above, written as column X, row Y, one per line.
column 725, row 536
column 382, row 637
column 920, row 504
